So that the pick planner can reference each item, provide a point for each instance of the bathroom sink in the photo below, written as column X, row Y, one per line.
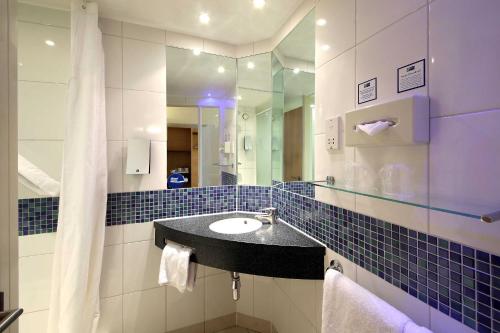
column 238, row 225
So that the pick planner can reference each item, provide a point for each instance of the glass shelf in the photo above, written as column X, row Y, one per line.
column 481, row 213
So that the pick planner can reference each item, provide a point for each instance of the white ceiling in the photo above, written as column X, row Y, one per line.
column 232, row 21
column 197, row 76
column 300, row 43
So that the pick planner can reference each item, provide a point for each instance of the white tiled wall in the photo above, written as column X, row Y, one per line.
column 247, row 171
column 43, row 74
column 131, row 300
column 135, row 85
column 135, row 90
column 460, row 42
column 295, row 306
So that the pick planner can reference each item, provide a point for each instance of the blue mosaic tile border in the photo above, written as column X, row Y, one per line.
column 39, row 215
column 253, row 198
column 228, row 178
column 302, row 188
column 459, row 281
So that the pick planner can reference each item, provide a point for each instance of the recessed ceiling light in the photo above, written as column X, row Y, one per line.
column 321, row 22
column 259, row 4
column 196, row 52
column 239, row 98
column 250, row 65
column 209, row 95
column 50, row 42
column 325, row 47
column 204, row 18
column 221, row 69
column 296, row 70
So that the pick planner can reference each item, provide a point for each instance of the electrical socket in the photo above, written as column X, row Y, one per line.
column 332, row 134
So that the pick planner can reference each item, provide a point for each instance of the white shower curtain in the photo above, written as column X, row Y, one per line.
column 74, row 302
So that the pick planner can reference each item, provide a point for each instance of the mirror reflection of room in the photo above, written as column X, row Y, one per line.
column 294, row 106
column 182, row 147
column 254, row 119
column 200, row 119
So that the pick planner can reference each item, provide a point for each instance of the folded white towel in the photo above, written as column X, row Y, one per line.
column 374, row 128
column 36, row 179
column 348, row 307
column 175, row 268
column 411, row 327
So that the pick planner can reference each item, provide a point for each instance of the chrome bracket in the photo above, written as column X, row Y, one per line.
column 492, row 217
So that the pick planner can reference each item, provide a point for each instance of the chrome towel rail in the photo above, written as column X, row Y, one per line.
column 336, row 265
column 491, row 217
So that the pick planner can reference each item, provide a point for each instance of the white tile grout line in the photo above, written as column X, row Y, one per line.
column 122, row 173
column 401, row 18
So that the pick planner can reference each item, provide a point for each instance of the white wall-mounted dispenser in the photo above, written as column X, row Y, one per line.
column 138, row 156
column 228, row 147
column 401, row 122
column 247, row 143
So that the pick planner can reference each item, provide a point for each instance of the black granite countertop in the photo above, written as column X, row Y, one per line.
column 273, row 250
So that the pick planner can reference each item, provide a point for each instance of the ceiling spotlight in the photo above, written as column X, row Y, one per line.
column 221, row 69
column 321, row 22
column 238, row 97
column 296, row 70
column 325, row 47
column 250, row 65
column 259, row 4
column 50, row 42
column 196, row 52
column 204, row 18
column 209, row 95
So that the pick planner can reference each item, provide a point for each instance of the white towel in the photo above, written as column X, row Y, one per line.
column 36, row 179
column 348, row 307
column 175, row 268
column 411, row 327
column 374, row 128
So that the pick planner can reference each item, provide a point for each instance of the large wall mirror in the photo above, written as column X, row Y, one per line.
column 228, row 121
column 276, row 111
column 201, row 90
column 254, row 119
column 294, row 105
column 248, row 120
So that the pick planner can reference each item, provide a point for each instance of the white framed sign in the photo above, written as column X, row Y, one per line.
column 367, row 91
column 411, row 76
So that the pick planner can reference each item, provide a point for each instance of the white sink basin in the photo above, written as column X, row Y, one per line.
column 239, row 225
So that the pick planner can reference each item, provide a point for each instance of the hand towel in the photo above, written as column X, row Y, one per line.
column 36, row 179
column 348, row 307
column 411, row 327
column 175, row 268
column 374, row 128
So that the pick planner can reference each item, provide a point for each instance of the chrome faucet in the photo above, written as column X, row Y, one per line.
column 269, row 215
